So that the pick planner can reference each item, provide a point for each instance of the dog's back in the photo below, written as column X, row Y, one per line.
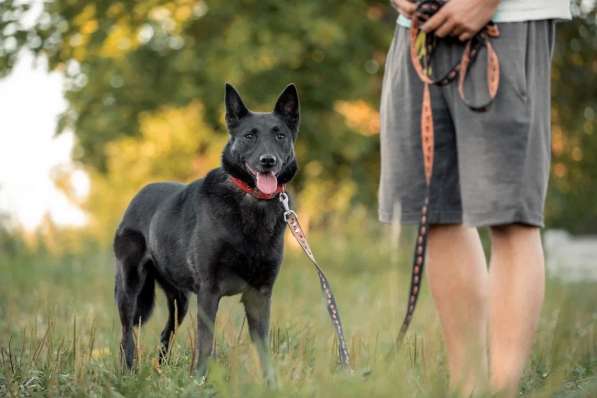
column 144, row 205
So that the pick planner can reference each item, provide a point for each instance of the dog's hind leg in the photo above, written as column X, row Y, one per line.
column 257, row 308
column 178, row 304
column 134, row 288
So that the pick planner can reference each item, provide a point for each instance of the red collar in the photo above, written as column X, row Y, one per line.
column 243, row 186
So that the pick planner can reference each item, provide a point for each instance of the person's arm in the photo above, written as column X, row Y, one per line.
column 461, row 18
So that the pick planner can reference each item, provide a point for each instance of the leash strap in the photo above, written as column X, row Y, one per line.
column 292, row 221
column 422, row 65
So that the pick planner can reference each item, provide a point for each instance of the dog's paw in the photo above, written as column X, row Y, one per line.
column 202, row 381
column 271, row 382
column 270, row 379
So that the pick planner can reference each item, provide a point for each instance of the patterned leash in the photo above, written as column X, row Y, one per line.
column 425, row 9
column 291, row 219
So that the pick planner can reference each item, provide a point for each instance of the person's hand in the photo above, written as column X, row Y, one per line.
column 461, row 18
column 405, row 7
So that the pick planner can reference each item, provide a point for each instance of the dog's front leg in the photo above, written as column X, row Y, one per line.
column 207, row 307
column 257, row 308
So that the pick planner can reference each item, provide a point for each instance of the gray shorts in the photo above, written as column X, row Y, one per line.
column 489, row 168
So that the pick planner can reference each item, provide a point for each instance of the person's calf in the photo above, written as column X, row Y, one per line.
column 516, row 280
column 457, row 275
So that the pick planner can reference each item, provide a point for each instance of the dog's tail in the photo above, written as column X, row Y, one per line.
column 146, row 298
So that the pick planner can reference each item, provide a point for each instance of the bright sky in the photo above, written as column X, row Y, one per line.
column 30, row 102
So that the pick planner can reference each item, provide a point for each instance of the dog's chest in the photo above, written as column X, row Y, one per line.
column 259, row 218
column 256, row 267
column 256, row 254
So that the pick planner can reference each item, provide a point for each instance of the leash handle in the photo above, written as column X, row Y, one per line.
column 291, row 219
column 493, row 66
column 425, row 9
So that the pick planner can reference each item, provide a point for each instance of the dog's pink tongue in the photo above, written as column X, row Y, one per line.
column 267, row 182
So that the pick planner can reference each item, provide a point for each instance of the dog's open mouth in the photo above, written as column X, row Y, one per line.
column 267, row 182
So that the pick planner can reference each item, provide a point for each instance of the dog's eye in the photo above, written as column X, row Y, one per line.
column 250, row 135
column 280, row 136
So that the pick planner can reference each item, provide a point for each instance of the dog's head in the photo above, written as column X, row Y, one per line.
column 260, row 151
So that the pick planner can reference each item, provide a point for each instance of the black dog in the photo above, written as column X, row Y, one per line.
column 218, row 236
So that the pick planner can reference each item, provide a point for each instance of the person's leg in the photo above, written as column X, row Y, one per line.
column 457, row 274
column 517, row 284
column 503, row 158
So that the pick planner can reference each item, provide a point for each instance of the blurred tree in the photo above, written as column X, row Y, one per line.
column 128, row 60
column 10, row 243
column 123, row 59
column 174, row 144
column 573, row 192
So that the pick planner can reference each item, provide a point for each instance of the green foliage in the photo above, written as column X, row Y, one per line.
column 174, row 144
column 571, row 202
column 126, row 59
column 59, row 331
column 10, row 243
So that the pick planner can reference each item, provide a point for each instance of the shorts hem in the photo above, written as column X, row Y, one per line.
column 504, row 217
column 472, row 219
column 408, row 218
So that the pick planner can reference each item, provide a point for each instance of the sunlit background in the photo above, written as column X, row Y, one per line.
column 30, row 102
column 40, row 180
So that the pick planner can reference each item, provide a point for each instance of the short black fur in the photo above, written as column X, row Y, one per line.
column 209, row 237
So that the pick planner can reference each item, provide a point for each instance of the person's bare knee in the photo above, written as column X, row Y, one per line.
column 512, row 234
column 448, row 230
column 455, row 257
column 453, row 239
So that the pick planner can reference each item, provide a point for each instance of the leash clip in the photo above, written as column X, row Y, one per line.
column 283, row 198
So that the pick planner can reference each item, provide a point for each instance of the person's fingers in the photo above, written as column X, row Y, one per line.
column 457, row 31
column 446, row 28
column 435, row 21
column 466, row 35
column 406, row 7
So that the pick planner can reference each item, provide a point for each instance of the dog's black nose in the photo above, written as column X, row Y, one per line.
column 267, row 161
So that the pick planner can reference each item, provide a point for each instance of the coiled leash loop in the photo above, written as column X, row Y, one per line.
column 291, row 219
column 425, row 9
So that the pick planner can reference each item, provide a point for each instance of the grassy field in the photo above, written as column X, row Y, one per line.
column 59, row 331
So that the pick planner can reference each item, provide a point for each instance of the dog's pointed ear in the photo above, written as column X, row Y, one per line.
column 235, row 108
column 288, row 108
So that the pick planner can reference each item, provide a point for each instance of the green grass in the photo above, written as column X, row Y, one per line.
column 59, row 331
